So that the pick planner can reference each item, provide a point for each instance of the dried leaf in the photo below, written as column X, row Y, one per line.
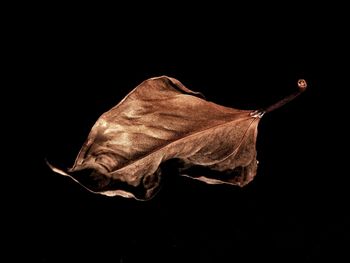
column 161, row 120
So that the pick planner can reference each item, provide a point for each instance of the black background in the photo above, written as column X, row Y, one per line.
column 73, row 69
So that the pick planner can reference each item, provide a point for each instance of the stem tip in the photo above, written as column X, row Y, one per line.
column 302, row 85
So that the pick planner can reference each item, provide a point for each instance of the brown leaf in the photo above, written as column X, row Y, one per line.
column 161, row 120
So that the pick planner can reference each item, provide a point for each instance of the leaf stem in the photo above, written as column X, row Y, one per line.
column 302, row 85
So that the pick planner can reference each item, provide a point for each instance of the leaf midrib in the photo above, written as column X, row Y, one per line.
column 182, row 138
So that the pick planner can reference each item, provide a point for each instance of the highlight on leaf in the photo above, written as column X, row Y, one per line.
column 161, row 120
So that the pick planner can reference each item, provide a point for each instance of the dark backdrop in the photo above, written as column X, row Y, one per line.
column 294, row 209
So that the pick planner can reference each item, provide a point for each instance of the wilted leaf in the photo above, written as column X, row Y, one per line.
column 161, row 120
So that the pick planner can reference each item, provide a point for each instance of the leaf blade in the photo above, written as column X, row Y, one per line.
column 160, row 120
